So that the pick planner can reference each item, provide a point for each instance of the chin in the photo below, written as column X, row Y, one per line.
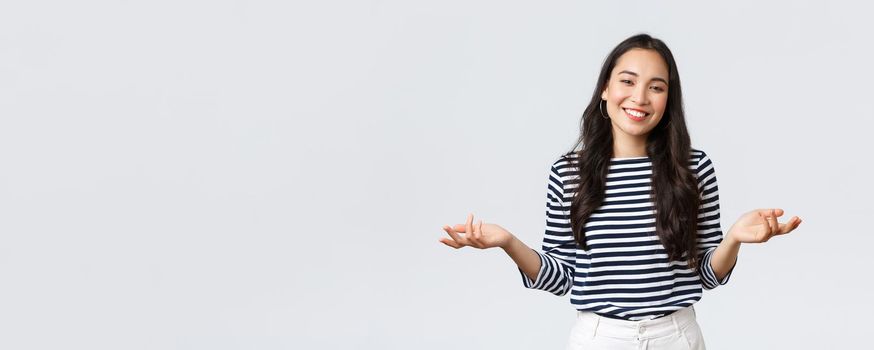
column 637, row 131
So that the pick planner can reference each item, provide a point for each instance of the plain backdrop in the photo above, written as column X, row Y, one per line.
column 274, row 175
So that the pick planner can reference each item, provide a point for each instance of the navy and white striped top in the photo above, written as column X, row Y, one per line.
column 625, row 273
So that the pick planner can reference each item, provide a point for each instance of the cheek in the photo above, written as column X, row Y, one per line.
column 617, row 94
column 659, row 104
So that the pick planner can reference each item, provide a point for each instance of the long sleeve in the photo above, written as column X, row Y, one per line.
column 709, row 228
column 559, row 248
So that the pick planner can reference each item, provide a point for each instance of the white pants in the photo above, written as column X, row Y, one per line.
column 678, row 330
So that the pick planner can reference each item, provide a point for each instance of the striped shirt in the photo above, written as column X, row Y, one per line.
column 625, row 273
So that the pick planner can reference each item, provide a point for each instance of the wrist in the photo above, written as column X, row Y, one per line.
column 730, row 239
column 511, row 245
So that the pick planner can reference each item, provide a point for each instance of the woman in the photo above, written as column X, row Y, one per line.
column 633, row 227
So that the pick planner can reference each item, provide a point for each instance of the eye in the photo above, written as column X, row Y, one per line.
column 625, row 81
column 658, row 88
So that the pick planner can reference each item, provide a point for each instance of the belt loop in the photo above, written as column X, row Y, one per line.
column 595, row 326
column 676, row 324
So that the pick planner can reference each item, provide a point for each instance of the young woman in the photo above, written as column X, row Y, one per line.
column 633, row 227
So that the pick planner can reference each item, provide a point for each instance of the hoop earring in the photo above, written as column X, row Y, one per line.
column 602, row 111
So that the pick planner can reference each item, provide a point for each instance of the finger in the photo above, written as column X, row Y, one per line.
column 471, row 235
column 768, row 212
column 480, row 226
column 763, row 233
column 469, row 223
column 791, row 225
column 784, row 229
column 772, row 223
column 459, row 228
column 478, row 231
column 455, row 236
column 450, row 243
column 771, row 229
column 775, row 213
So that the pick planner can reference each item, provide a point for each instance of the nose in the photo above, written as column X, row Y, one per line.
column 639, row 95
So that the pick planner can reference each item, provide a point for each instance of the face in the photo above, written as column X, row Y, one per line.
column 636, row 94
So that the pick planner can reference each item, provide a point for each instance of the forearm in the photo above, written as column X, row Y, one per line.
column 724, row 257
column 527, row 259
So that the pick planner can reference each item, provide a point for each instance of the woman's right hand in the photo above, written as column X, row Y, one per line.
column 481, row 235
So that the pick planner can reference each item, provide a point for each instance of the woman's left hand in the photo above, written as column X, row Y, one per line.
column 760, row 225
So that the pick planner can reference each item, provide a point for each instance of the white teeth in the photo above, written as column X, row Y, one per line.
column 635, row 113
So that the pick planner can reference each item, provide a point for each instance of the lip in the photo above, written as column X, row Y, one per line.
column 637, row 119
column 635, row 109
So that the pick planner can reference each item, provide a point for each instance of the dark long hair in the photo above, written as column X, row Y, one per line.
column 674, row 186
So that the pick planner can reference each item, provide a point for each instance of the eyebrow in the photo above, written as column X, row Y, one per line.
column 635, row 74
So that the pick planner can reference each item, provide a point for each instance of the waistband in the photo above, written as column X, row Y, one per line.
column 620, row 318
column 624, row 329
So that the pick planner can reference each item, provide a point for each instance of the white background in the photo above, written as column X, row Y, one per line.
column 274, row 175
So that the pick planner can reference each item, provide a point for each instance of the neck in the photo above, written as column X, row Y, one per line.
column 628, row 147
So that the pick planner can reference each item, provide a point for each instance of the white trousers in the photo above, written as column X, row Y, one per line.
column 678, row 330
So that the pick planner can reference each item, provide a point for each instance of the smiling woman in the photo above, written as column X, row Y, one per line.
column 636, row 95
column 632, row 215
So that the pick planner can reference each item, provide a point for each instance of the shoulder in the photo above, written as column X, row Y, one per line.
column 565, row 164
column 702, row 167
column 563, row 170
column 700, row 159
column 696, row 154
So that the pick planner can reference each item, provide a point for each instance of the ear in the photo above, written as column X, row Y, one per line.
column 604, row 94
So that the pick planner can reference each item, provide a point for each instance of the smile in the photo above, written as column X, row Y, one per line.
column 635, row 115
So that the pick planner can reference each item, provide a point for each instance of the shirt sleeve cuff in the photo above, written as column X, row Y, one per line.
column 708, row 276
column 536, row 284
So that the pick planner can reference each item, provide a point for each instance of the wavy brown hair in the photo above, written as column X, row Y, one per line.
column 674, row 186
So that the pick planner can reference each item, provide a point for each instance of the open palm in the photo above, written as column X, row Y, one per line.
column 481, row 235
column 760, row 225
